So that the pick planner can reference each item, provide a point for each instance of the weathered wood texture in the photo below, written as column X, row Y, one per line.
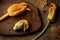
column 47, row 35
column 6, row 26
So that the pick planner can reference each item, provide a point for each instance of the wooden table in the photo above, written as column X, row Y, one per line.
column 47, row 35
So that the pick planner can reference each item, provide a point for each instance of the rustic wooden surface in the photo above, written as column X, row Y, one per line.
column 6, row 26
column 47, row 35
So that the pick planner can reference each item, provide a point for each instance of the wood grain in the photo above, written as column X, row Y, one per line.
column 6, row 26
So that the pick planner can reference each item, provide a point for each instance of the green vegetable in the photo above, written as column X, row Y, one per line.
column 22, row 24
column 50, row 18
column 18, row 25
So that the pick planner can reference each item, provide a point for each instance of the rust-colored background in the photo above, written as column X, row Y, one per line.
column 47, row 35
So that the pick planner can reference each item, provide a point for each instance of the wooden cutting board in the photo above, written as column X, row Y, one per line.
column 6, row 26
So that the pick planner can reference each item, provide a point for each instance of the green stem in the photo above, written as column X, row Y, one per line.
column 42, row 32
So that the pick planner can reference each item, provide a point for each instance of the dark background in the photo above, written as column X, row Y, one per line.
column 48, row 34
